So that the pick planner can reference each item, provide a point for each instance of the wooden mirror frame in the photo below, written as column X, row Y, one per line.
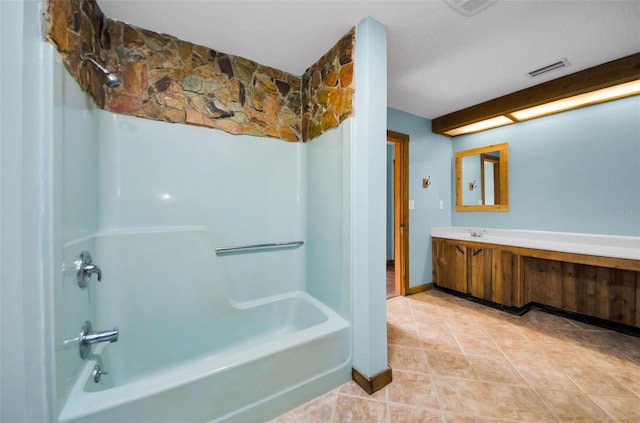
column 503, row 201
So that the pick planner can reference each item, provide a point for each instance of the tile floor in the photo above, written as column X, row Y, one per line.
column 457, row 361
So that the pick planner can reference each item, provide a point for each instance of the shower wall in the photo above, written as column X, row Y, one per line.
column 246, row 190
column 328, row 211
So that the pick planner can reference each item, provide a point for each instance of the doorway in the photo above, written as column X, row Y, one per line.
column 398, row 267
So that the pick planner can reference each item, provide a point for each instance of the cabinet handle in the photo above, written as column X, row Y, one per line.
column 477, row 251
column 459, row 249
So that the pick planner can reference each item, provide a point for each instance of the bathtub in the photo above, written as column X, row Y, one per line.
column 182, row 357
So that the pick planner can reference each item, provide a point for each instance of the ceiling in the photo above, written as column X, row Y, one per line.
column 439, row 61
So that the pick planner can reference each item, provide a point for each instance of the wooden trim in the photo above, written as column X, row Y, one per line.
column 612, row 73
column 397, row 136
column 415, row 289
column 373, row 383
column 401, row 209
column 601, row 261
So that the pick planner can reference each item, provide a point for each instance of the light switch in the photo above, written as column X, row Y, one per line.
column 412, row 205
column 441, row 205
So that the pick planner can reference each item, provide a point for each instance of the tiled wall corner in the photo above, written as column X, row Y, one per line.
column 328, row 88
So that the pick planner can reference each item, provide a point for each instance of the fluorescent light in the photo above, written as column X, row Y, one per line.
column 598, row 96
column 480, row 126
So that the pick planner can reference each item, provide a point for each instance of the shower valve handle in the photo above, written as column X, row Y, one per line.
column 85, row 268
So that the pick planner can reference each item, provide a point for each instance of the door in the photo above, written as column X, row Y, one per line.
column 401, row 210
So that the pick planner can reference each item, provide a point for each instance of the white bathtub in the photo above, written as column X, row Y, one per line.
column 182, row 357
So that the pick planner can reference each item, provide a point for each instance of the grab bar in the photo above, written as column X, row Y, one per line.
column 222, row 250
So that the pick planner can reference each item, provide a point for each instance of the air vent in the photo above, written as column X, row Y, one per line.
column 469, row 7
column 557, row 65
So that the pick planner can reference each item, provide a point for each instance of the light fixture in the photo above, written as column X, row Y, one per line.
column 608, row 81
column 594, row 97
column 472, row 185
column 480, row 126
column 426, row 182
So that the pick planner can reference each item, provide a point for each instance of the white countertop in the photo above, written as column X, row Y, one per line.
column 617, row 246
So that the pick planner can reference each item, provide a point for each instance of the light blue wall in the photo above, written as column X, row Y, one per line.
column 577, row 171
column 368, row 187
column 429, row 155
column 25, row 207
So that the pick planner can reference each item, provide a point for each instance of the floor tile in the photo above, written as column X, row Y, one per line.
column 352, row 388
column 318, row 410
column 357, row 410
column 623, row 409
column 495, row 368
column 573, row 406
column 449, row 364
column 438, row 338
column 414, row 389
column 460, row 395
column 543, row 374
column 595, row 381
column 515, row 402
column 407, row 358
column 403, row 336
column 404, row 414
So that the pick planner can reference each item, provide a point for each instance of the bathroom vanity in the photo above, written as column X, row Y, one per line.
column 591, row 275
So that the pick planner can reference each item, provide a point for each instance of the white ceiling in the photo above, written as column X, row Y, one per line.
column 438, row 60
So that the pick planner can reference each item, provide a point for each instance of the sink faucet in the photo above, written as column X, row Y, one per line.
column 88, row 338
column 477, row 233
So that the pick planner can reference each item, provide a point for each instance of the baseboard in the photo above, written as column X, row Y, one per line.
column 415, row 289
column 373, row 383
column 391, row 263
column 596, row 321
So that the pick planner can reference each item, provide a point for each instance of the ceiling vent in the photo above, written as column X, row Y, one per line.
column 469, row 7
column 557, row 65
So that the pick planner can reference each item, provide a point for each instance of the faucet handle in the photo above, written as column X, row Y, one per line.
column 85, row 268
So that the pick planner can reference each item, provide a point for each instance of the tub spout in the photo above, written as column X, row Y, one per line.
column 104, row 336
column 88, row 338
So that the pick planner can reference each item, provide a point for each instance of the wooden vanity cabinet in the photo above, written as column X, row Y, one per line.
column 479, row 270
column 602, row 287
column 603, row 292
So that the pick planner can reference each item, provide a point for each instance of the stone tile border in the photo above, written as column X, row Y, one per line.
column 168, row 79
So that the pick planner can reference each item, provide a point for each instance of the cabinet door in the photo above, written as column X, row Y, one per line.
column 480, row 272
column 491, row 274
column 503, row 277
column 453, row 271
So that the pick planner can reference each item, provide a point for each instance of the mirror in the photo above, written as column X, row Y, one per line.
column 482, row 178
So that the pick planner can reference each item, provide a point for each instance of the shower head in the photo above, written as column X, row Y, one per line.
column 113, row 79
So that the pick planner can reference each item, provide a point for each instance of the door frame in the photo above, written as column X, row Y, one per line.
column 401, row 210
